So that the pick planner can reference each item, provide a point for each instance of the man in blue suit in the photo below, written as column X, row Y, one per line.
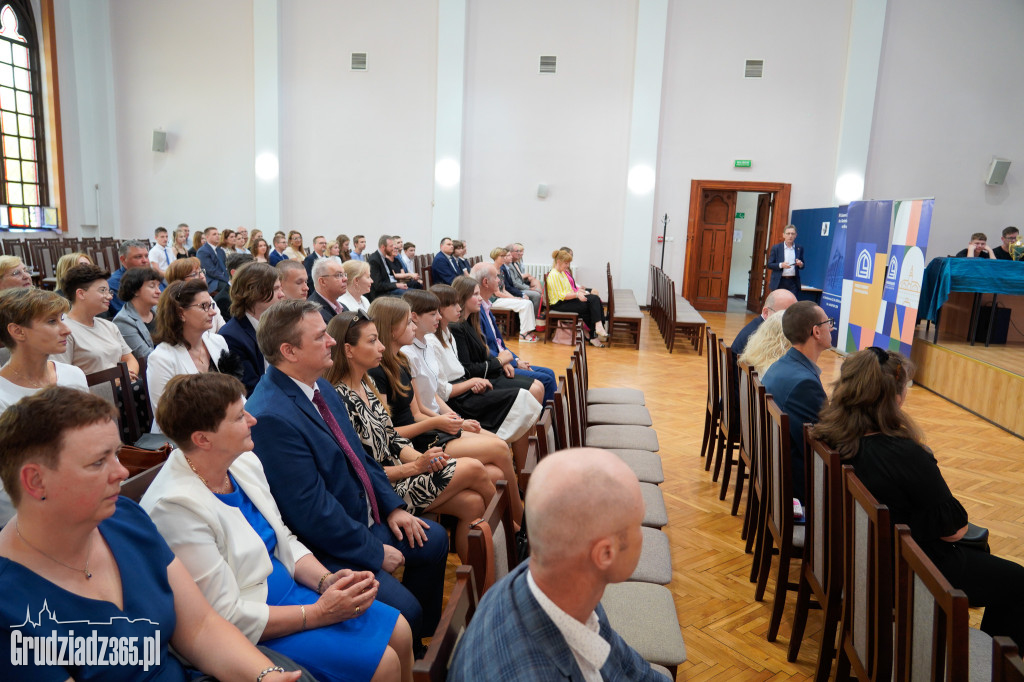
column 544, row 620
column 795, row 378
column 445, row 268
column 487, row 276
column 332, row 494
column 213, row 261
column 786, row 260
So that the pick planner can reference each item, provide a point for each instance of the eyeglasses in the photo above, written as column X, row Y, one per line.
column 103, row 291
column 206, row 307
column 336, row 275
column 20, row 272
column 830, row 322
column 195, row 274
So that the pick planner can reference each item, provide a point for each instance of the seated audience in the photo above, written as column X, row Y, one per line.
column 295, row 250
column 65, row 263
column 344, row 244
column 977, row 248
column 476, row 358
column 260, row 250
column 185, row 269
column 487, row 277
column 407, row 254
column 445, row 268
column 564, row 296
column 458, row 437
column 358, row 246
column 162, row 253
column 256, row 288
column 227, row 241
column 544, row 621
column 242, row 240
column 95, row 344
column 14, row 273
column 404, row 271
column 385, row 283
column 503, row 298
column 794, row 380
column 776, row 302
column 89, row 556
column 459, row 252
column 140, row 293
column 319, row 252
column 508, row 413
column 223, row 298
column 427, row 480
column 329, row 285
column 277, row 254
column 334, row 251
column 185, row 341
column 294, row 281
column 331, row 493
column 133, row 254
column 767, row 345
column 359, row 284
column 1008, row 238
column 213, row 259
column 198, row 239
column 212, row 504
column 179, row 243
column 517, row 279
column 866, row 423
column 32, row 329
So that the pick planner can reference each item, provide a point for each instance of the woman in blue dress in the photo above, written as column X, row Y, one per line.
column 87, row 571
column 213, row 505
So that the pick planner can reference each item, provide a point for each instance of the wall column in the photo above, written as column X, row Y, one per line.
column 451, row 74
column 266, row 114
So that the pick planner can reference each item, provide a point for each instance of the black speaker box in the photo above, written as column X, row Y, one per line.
column 1000, row 326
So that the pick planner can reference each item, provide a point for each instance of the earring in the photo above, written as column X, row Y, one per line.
column 43, row 498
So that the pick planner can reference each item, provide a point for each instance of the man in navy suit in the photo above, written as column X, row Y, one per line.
column 795, row 378
column 385, row 283
column 318, row 253
column 445, row 268
column 329, row 284
column 786, row 260
column 213, row 261
column 487, row 276
column 332, row 494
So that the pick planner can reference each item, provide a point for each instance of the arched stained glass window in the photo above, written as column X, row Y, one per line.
column 23, row 167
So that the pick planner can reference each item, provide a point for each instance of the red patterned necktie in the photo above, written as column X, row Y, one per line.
column 353, row 459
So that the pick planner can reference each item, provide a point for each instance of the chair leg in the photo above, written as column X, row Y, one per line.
column 737, row 495
column 708, row 428
column 718, row 447
column 723, row 452
column 827, row 647
column 748, row 514
column 727, row 473
column 803, row 599
column 842, row 664
column 781, row 589
column 764, row 563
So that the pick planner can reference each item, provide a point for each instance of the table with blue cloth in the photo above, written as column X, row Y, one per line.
column 974, row 275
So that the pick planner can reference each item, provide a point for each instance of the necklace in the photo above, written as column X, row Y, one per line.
column 86, row 571
column 227, row 481
column 30, row 382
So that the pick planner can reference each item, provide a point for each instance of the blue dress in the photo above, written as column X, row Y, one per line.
column 33, row 606
column 349, row 651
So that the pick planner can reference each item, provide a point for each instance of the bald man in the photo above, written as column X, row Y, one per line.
column 544, row 620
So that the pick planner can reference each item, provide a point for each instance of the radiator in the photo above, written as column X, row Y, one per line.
column 540, row 270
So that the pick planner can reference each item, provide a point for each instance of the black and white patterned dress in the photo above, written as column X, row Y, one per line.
column 377, row 433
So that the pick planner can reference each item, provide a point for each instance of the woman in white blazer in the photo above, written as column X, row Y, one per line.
column 213, row 505
column 186, row 343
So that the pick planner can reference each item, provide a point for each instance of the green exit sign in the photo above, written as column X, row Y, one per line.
column 741, row 216
column 741, row 163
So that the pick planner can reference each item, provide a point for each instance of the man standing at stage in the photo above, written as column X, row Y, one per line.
column 786, row 260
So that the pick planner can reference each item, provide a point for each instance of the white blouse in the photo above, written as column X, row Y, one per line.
column 449, row 369
column 424, row 370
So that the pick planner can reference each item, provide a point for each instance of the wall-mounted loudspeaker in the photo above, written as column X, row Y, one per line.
column 542, row 191
column 997, row 170
column 159, row 141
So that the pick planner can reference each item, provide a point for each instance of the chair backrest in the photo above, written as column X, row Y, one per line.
column 135, row 487
column 115, row 386
column 746, row 408
column 1007, row 665
column 758, row 455
column 577, row 407
column 779, row 474
column 866, row 637
column 824, row 525
column 714, row 389
column 931, row 617
column 547, row 441
column 491, row 546
column 433, row 667
column 563, row 434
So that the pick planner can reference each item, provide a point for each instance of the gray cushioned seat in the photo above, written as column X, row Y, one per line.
column 979, row 650
column 618, row 396
column 618, row 437
column 655, row 564
column 633, row 415
column 644, row 615
column 644, row 463
column 661, row 670
column 655, row 513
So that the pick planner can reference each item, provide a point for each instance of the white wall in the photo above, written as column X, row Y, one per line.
column 787, row 123
column 185, row 67
column 951, row 96
column 357, row 148
column 569, row 130
column 739, row 274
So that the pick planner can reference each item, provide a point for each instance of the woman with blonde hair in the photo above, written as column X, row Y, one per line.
column 254, row 236
column 14, row 273
column 766, row 345
column 178, row 243
column 198, row 239
column 565, row 296
column 295, row 251
column 503, row 300
column 65, row 263
column 359, row 283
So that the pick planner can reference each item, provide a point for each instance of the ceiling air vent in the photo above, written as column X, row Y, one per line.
column 547, row 63
column 359, row 61
column 753, row 68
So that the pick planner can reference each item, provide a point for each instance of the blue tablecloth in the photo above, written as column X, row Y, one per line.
column 986, row 276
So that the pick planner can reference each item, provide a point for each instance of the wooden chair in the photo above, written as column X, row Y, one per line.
column 1007, row 665
column 746, row 426
column 757, row 492
column 714, row 405
column 865, row 633
column 507, row 321
column 728, row 428
column 821, row 572
column 607, row 436
column 626, row 320
column 622, row 414
column 114, row 385
column 533, row 458
column 552, row 318
column 433, row 667
column 135, row 487
column 491, row 546
column 780, row 528
column 600, row 395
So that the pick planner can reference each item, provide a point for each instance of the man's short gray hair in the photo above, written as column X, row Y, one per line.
column 129, row 244
column 320, row 268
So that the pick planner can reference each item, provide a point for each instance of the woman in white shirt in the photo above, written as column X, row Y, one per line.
column 359, row 283
column 503, row 300
column 186, row 343
column 32, row 327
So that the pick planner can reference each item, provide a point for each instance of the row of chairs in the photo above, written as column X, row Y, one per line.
column 624, row 315
column 41, row 254
column 845, row 549
column 675, row 316
column 642, row 609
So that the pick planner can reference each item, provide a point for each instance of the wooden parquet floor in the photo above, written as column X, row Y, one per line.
column 724, row 628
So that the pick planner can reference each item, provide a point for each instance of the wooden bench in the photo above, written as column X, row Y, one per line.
column 624, row 315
